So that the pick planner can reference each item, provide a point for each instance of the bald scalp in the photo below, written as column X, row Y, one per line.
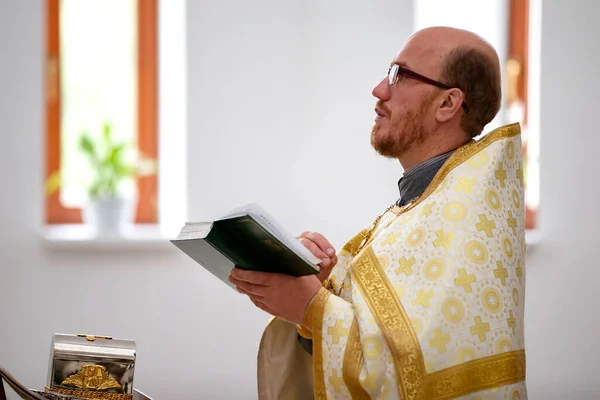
column 467, row 61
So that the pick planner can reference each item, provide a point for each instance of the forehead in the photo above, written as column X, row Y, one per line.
column 420, row 56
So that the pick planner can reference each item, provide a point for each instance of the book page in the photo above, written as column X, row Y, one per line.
column 272, row 226
column 194, row 230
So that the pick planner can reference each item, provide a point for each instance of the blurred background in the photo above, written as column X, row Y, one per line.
column 182, row 110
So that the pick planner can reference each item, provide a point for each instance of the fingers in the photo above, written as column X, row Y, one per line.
column 243, row 288
column 261, row 305
column 248, row 288
column 320, row 241
column 319, row 247
column 253, row 277
column 334, row 259
column 317, row 252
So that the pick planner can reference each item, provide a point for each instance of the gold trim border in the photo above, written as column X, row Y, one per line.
column 353, row 363
column 461, row 155
column 476, row 375
column 88, row 394
column 393, row 322
column 353, row 244
column 315, row 314
column 413, row 380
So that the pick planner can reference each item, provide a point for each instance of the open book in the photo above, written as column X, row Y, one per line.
column 247, row 238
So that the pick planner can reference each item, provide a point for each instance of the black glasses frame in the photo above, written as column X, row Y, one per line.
column 401, row 71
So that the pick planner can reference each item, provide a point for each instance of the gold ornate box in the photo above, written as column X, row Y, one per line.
column 91, row 367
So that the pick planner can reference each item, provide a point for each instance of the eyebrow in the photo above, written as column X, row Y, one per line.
column 400, row 64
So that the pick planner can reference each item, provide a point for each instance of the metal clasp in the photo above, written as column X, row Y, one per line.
column 91, row 338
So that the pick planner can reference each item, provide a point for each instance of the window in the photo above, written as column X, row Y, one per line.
column 518, row 71
column 102, row 68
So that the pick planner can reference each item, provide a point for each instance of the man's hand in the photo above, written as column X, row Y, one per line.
column 322, row 249
column 280, row 295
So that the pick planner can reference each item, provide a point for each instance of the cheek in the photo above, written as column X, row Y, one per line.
column 398, row 115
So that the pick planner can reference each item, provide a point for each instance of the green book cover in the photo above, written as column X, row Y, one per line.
column 251, row 240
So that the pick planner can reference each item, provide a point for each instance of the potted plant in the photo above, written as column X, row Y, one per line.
column 107, row 209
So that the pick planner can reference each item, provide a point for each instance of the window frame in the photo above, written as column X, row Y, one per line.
column 147, row 112
column 518, row 50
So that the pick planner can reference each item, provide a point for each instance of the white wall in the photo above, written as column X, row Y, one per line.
column 279, row 112
column 485, row 18
column 562, row 320
column 280, row 109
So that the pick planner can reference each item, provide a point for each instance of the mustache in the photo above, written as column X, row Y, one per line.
column 383, row 108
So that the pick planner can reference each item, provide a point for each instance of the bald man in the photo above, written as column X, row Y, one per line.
column 426, row 302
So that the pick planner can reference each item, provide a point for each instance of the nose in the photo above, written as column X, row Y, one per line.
column 382, row 90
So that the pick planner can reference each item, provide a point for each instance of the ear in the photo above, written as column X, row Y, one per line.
column 450, row 105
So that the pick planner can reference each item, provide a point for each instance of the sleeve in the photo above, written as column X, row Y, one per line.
column 341, row 367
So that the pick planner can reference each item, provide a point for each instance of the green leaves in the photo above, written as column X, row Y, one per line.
column 87, row 145
column 106, row 133
column 109, row 162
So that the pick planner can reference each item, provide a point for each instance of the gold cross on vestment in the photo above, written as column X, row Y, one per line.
column 444, row 239
column 465, row 184
column 336, row 381
column 512, row 222
column 501, row 273
column 501, row 175
column 423, row 298
column 390, row 239
column 512, row 322
column 337, row 331
column 520, row 175
column 440, row 340
column 485, row 225
column 480, row 328
column 406, row 266
column 519, row 270
column 464, row 280
column 427, row 209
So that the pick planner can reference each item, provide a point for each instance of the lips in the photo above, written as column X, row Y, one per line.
column 380, row 113
column 381, row 110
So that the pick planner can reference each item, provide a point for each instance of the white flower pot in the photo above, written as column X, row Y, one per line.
column 108, row 216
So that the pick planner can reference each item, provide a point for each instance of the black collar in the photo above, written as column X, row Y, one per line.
column 414, row 181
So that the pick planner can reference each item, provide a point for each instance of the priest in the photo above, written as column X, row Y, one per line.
column 426, row 302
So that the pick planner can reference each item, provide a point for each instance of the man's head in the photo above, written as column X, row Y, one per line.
column 447, row 89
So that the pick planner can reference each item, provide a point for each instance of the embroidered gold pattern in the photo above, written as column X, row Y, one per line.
column 413, row 381
column 92, row 377
column 367, row 272
column 465, row 280
column 485, row 225
column 314, row 317
column 393, row 322
column 337, row 331
column 88, row 394
column 473, row 376
column 461, row 155
column 336, row 381
column 353, row 363
column 354, row 244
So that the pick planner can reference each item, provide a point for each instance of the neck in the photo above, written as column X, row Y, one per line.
column 438, row 143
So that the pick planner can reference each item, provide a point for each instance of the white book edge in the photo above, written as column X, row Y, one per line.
column 199, row 230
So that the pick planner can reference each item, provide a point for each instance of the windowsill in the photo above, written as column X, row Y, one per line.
column 141, row 237
column 81, row 237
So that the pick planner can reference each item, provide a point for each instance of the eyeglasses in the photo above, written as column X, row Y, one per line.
column 395, row 71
